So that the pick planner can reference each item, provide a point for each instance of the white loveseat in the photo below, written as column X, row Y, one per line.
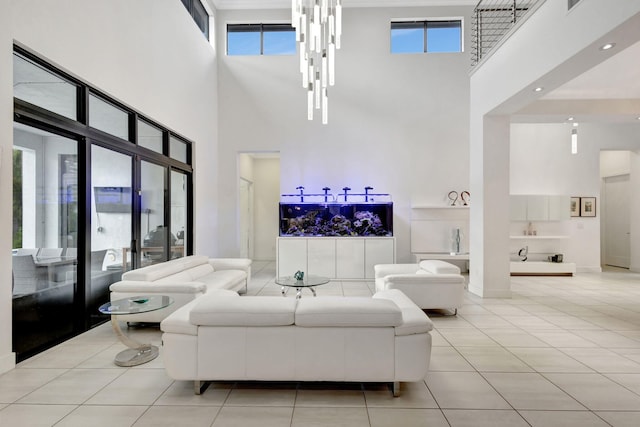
column 431, row 284
column 183, row 279
column 222, row 336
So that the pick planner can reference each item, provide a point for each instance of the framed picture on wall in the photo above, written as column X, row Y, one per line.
column 587, row 206
column 575, row 206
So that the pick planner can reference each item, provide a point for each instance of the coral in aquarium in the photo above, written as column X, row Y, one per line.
column 365, row 223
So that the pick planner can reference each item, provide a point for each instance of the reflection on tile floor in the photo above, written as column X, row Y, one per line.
column 563, row 351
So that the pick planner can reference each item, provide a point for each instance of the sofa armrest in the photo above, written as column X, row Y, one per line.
column 382, row 270
column 130, row 286
column 230, row 263
column 421, row 279
column 178, row 321
column 414, row 320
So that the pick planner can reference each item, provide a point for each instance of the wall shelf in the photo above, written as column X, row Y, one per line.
column 439, row 207
column 538, row 237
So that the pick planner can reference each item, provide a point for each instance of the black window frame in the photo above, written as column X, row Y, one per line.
column 86, row 136
column 426, row 24
column 257, row 28
column 199, row 15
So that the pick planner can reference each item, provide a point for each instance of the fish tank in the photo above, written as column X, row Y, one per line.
column 343, row 215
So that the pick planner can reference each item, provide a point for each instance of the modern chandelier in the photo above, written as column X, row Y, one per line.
column 318, row 25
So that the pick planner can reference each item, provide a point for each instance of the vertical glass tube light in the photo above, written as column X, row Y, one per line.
column 318, row 25
column 574, row 141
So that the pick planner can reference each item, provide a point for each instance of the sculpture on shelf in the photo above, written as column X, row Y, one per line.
column 453, row 196
column 456, row 236
column 467, row 199
column 522, row 253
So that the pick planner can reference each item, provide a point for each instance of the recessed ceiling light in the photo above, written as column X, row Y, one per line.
column 570, row 119
column 607, row 46
column 538, row 89
column 575, row 125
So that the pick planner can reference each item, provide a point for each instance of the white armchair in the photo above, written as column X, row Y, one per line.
column 432, row 284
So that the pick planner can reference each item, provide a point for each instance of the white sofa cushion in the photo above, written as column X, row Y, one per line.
column 192, row 274
column 437, row 266
column 212, row 309
column 353, row 311
column 158, row 271
column 141, row 287
column 229, row 279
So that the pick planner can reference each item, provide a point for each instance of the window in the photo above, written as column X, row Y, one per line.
column 83, row 197
column 108, row 118
column 149, row 136
column 261, row 39
column 39, row 86
column 426, row 36
column 199, row 15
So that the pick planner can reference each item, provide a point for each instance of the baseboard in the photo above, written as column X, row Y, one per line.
column 583, row 269
column 489, row 293
column 7, row 362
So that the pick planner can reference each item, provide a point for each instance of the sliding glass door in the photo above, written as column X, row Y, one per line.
column 111, row 223
column 99, row 189
column 45, row 237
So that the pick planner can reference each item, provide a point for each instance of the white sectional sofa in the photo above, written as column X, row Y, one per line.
column 222, row 336
column 183, row 279
column 431, row 284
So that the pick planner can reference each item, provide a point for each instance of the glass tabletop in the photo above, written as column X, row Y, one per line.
column 308, row 281
column 137, row 304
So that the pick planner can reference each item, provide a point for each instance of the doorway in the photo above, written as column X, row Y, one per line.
column 258, row 201
column 616, row 218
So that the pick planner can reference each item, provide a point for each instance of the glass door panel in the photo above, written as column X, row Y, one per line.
column 179, row 213
column 45, row 225
column 152, row 214
column 111, row 208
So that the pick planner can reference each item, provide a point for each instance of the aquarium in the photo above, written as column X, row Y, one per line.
column 336, row 219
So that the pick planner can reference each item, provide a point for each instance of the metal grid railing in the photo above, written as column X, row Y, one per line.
column 492, row 19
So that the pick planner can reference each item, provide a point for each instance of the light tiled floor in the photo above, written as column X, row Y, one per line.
column 562, row 352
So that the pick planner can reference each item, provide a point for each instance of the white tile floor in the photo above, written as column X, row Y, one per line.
column 562, row 352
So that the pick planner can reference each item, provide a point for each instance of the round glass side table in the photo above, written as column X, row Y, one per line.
column 309, row 282
column 137, row 353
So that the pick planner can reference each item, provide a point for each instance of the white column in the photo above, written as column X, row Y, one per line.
column 489, row 210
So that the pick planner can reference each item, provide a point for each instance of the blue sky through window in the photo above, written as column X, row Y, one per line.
column 243, row 43
column 442, row 36
column 407, row 40
column 279, row 43
column 276, row 39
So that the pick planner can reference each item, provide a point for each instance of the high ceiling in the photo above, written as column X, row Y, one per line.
column 608, row 92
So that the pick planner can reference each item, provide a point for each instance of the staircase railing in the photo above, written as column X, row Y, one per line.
column 492, row 20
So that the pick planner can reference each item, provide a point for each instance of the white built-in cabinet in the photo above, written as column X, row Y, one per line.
column 334, row 257
column 536, row 207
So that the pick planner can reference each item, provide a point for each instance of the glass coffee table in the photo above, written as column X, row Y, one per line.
column 137, row 353
column 309, row 282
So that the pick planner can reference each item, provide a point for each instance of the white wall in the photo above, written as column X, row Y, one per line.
column 148, row 54
column 613, row 163
column 398, row 123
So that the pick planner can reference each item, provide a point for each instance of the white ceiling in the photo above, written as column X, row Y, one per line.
column 616, row 78
column 284, row 4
